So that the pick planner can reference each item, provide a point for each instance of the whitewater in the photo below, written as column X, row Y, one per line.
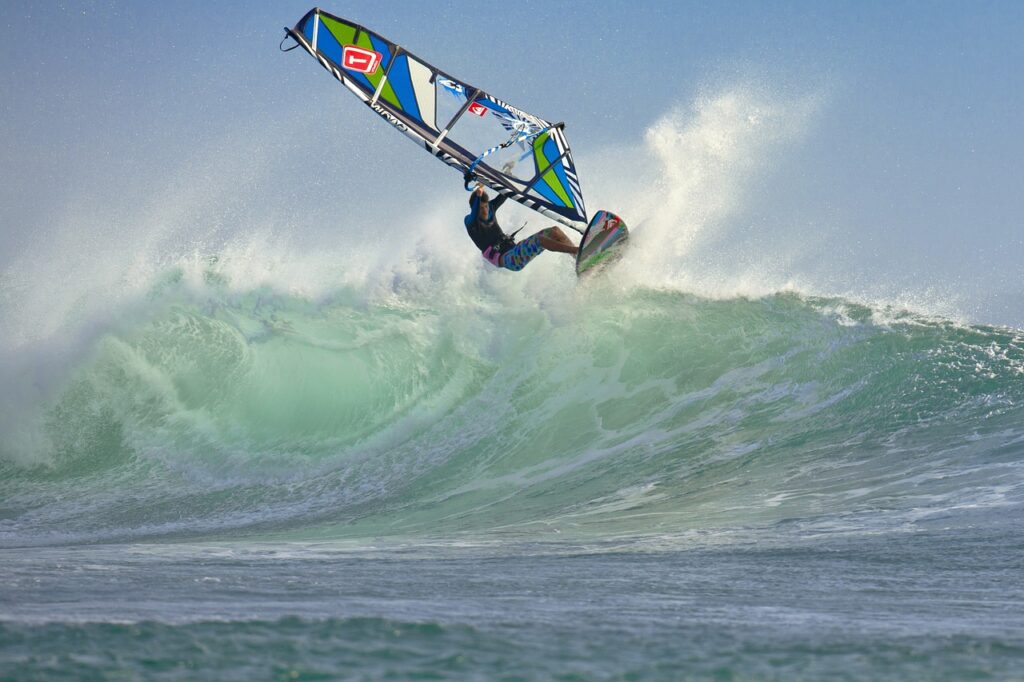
column 238, row 451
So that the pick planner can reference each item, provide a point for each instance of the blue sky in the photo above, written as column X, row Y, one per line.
column 912, row 162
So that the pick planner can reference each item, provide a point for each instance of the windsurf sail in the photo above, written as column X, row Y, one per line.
column 516, row 154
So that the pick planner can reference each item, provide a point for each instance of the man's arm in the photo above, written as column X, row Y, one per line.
column 496, row 203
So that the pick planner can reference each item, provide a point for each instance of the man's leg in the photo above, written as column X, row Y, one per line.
column 553, row 239
column 522, row 253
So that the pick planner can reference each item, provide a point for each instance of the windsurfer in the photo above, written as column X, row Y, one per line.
column 498, row 248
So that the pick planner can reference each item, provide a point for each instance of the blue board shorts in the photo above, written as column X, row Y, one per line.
column 522, row 253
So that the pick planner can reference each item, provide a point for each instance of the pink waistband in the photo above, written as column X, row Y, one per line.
column 492, row 256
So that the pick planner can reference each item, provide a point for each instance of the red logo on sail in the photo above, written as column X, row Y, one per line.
column 478, row 109
column 359, row 59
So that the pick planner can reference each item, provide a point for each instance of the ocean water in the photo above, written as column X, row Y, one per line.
column 275, row 455
column 642, row 484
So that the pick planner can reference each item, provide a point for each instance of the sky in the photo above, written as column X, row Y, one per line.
column 896, row 165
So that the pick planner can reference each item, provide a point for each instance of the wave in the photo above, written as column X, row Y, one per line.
column 616, row 412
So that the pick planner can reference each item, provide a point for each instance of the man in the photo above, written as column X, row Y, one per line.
column 499, row 249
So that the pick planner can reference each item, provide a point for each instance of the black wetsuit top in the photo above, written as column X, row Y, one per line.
column 489, row 233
